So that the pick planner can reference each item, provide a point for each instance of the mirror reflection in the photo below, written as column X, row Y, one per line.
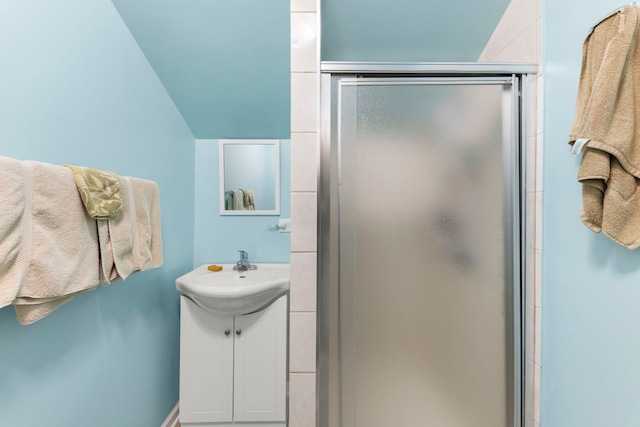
column 249, row 177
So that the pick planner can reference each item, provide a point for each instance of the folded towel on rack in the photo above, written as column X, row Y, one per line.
column 607, row 111
column 61, row 245
column 99, row 190
column 133, row 241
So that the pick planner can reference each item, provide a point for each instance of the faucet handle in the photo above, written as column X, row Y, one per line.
column 243, row 255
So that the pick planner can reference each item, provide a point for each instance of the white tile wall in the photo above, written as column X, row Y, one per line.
column 303, row 281
column 303, row 222
column 519, row 16
column 532, row 172
column 523, row 48
column 304, row 177
column 302, row 400
column 538, row 336
column 304, row 6
column 302, row 352
column 304, row 102
column 538, row 216
column 539, row 155
column 536, row 394
column 304, row 161
column 304, row 46
column 538, row 278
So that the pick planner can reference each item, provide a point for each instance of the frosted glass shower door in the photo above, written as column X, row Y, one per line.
column 426, row 291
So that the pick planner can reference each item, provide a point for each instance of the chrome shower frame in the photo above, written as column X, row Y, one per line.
column 514, row 166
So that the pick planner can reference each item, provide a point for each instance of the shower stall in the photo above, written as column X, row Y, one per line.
column 422, row 311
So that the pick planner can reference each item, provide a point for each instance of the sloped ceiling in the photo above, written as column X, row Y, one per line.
column 225, row 63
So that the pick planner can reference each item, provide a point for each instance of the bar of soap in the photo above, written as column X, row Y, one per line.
column 214, row 267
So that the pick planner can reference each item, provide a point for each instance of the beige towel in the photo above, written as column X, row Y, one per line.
column 133, row 241
column 15, row 226
column 248, row 199
column 99, row 191
column 238, row 200
column 63, row 260
column 147, row 253
column 607, row 111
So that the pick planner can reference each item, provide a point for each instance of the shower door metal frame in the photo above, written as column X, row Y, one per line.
column 514, row 167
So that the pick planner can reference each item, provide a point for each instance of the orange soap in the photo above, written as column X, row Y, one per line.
column 214, row 267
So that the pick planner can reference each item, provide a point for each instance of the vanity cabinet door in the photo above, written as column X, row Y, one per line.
column 206, row 365
column 261, row 364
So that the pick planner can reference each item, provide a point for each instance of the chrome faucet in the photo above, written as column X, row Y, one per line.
column 243, row 263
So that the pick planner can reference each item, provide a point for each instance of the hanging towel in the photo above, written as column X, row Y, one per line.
column 99, row 190
column 238, row 200
column 133, row 241
column 147, row 246
column 228, row 200
column 248, row 199
column 115, row 236
column 15, row 228
column 608, row 118
column 61, row 245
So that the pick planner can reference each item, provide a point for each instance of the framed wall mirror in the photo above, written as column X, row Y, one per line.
column 249, row 176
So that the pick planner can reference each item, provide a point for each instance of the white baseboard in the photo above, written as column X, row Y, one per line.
column 173, row 417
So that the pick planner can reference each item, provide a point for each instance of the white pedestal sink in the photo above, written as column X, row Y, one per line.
column 235, row 292
column 233, row 346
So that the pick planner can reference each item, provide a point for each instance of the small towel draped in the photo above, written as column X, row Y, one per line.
column 132, row 241
column 100, row 191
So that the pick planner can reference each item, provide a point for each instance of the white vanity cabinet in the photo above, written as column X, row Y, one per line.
column 233, row 369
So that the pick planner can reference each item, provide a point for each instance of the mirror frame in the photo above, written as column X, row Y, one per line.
column 222, row 143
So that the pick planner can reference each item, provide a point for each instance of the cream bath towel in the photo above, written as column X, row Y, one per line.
column 238, row 200
column 133, row 241
column 607, row 114
column 147, row 247
column 64, row 244
column 15, row 228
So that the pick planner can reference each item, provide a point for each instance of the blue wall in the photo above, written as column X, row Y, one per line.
column 591, row 286
column 219, row 237
column 75, row 88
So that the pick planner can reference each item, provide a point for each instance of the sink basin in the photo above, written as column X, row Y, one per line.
column 233, row 292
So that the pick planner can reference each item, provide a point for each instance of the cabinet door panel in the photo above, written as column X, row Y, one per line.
column 261, row 364
column 206, row 365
